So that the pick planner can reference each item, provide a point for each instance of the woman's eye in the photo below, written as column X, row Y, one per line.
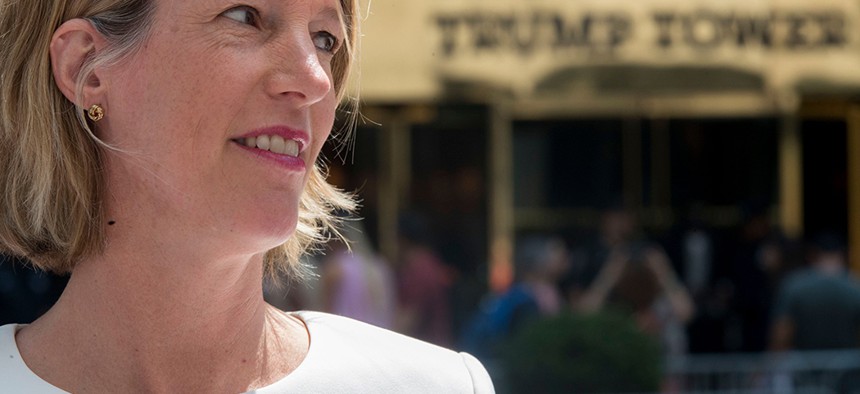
column 326, row 41
column 243, row 14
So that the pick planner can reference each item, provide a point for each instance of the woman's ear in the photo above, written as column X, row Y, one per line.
column 75, row 42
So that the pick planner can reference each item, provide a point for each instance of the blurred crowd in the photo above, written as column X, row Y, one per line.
column 411, row 295
column 692, row 289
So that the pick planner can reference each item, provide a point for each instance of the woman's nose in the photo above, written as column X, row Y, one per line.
column 299, row 74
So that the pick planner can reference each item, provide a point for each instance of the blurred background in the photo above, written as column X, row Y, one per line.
column 599, row 196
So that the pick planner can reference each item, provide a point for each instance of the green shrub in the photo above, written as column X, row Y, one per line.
column 596, row 353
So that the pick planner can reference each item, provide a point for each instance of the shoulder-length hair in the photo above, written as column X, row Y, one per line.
column 51, row 162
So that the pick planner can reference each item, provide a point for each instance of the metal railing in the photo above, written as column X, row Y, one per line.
column 818, row 372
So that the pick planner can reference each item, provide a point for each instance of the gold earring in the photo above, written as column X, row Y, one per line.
column 96, row 113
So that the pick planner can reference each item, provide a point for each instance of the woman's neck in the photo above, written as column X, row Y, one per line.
column 160, row 324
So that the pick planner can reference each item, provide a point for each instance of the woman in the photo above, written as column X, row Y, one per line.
column 163, row 152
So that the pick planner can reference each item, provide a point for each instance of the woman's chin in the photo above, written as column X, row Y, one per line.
column 271, row 236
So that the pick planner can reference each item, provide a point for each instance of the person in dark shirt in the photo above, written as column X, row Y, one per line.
column 540, row 262
column 818, row 307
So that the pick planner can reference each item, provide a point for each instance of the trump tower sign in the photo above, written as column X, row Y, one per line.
column 411, row 48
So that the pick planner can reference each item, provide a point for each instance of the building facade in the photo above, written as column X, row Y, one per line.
column 508, row 116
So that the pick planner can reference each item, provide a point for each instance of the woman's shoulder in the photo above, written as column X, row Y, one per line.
column 353, row 334
column 346, row 355
column 15, row 376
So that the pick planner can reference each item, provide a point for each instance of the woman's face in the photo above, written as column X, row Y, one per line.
column 222, row 113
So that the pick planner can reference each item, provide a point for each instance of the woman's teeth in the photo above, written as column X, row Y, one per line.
column 274, row 144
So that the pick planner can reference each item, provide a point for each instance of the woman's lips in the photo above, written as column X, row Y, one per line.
column 273, row 143
column 281, row 144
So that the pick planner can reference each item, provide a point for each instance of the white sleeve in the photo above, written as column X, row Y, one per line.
column 481, row 382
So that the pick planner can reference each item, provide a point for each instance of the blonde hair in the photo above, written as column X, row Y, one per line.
column 51, row 184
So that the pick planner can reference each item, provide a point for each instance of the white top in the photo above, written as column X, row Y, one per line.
column 345, row 356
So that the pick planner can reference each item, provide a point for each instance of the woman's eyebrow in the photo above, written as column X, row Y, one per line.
column 332, row 13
